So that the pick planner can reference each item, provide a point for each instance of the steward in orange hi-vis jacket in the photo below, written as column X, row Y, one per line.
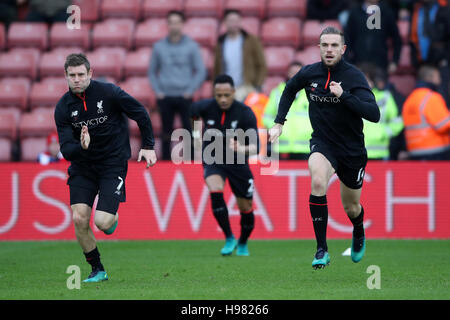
column 427, row 119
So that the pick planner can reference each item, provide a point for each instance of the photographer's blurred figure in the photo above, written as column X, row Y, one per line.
column 52, row 154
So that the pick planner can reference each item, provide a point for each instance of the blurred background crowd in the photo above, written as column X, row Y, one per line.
column 165, row 53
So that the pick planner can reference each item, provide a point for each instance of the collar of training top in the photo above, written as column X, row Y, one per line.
column 86, row 92
column 338, row 66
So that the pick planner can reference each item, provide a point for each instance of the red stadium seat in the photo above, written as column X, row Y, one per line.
column 14, row 112
column 90, row 9
column 281, row 31
column 248, row 7
column 403, row 83
column 286, row 8
column 155, row 118
column 5, row 149
column 205, row 91
column 19, row 63
column 308, row 55
column 61, row 36
column 39, row 123
column 28, row 34
column 278, row 59
column 121, row 9
column 14, row 94
column 113, row 32
column 2, row 36
column 403, row 28
column 150, row 31
column 250, row 24
column 20, row 80
column 136, row 144
column 31, row 147
column 141, row 90
column 208, row 59
column 160, row 8
column 8, row 126
column 107, row 62
column 202, row 30
column 61, row 80
column 313, row 28
column 271, row 83
column 46, row 94
column 202, row 8
column 52, row 62
column 137, row 62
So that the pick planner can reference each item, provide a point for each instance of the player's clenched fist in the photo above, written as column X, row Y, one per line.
column 275, row 132
column 336, row 89
column 85, row 138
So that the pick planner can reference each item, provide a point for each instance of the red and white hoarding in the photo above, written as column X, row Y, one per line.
column 402, row 200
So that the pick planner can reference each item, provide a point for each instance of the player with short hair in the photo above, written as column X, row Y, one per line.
column 92, row 125
column 339, row 98
column 223, row 116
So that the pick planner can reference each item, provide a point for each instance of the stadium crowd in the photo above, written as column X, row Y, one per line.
column 165, row 54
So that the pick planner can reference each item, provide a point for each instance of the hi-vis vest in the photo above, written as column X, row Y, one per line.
column 377, row 135
column 297, row 129
column 257, row 102
column 427, row 122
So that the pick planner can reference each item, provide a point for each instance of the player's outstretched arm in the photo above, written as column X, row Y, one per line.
column 149, row 156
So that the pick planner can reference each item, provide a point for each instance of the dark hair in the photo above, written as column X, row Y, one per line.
column 332, row 30
column 425, row 71
column 230, row 11
column 177, row 13
column 75, row 60
column 224, row 78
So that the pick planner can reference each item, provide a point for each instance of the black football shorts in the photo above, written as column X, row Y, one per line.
column 350, row 170
column 239, row 175
column 108, row 181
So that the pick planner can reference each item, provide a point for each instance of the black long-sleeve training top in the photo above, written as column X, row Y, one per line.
column 238, row 116
column 336, row 121
column 103, row 108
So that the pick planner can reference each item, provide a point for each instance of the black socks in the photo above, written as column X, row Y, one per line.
column 93, row 258
column 247, row 226
column 319, row 214
column 220, row 211
column 358, row 227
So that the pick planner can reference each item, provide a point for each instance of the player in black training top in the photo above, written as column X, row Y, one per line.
column 92, row 124
column 339, row 98
column 230, row 136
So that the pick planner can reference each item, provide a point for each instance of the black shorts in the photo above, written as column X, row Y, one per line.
column 239, row 176
column 108, row 181
column 350, row 170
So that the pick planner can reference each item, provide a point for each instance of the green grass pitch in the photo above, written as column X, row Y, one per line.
column 194, row 270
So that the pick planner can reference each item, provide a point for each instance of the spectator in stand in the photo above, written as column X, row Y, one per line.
column 441, row 47
column 327, row 10
column 427, row 118
column 377, row 136
column 293, row 143
column 176, row 72
column 240, row 55
column 8, row 11
column 52, row 154
column 48, row 11
column 401, row 8
column 366, row 45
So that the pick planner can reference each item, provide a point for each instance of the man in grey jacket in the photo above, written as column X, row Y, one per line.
column 176, row 72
